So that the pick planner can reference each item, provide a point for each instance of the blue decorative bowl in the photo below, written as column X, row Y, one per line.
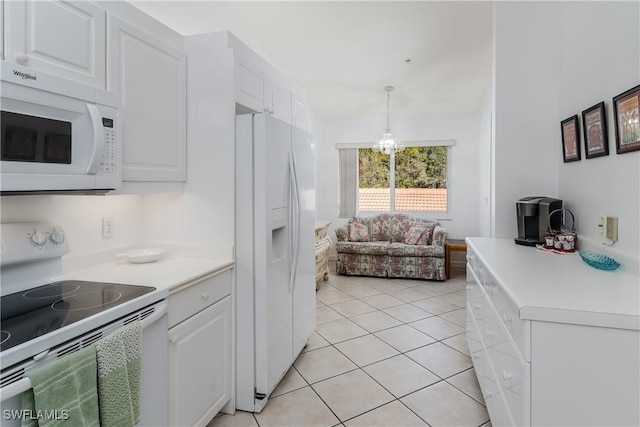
column 599, row 261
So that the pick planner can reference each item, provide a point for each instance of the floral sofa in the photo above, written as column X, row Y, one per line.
column 391, row 245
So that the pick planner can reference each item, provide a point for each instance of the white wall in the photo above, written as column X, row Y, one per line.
column 81, row 218
column 552, row 60
column 204, row 213
column 189, row 17
column 461, row 220
column 600, row 59
column 485, row 161
column 525, row 141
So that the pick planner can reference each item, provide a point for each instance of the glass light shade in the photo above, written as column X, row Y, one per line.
column 388, row 143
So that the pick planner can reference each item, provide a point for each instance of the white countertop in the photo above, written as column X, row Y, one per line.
column 560, row 288
column 166, row 274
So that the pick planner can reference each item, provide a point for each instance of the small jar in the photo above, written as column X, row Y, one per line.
column 548, row 240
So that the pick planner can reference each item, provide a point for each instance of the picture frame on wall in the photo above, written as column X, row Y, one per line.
column 570, row 139
column 626, row 113
column 594, row 130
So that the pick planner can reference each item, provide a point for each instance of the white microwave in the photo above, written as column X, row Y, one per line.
column 57, row 135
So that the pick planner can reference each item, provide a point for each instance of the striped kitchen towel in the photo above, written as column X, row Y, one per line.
column 64, row 392
column 118, row 358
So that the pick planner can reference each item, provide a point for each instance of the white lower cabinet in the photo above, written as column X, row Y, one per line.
column 501, row 372
column 200, row 353
column 550, row 369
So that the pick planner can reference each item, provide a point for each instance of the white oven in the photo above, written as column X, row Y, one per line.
column 45, row 318
column 153, row 384
column 57, row 135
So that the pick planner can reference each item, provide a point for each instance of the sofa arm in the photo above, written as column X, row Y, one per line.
column 439, row 236
column 342, row 233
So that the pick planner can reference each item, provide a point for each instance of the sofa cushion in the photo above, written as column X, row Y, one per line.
column 401, row 249
column 363, row 248
column 342, row 233
column 401, row 223
column 358, row 232
column 412, row 236
column 379, row 227
column 425, row 238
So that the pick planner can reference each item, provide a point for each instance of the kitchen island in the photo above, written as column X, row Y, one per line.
column 553, row 340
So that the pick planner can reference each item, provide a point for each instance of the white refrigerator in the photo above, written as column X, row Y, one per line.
column 275, row 258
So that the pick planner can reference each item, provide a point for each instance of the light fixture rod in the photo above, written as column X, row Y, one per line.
column 388, row 89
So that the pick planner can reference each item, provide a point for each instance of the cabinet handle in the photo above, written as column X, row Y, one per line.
column 205, row 295
column 22, row 58
column 506, row 318
column 173, row 340
column 506, row 375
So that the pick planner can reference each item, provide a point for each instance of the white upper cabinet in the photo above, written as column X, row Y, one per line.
column 63, row 38
column 260, row 87
column 1, row 29
column 251, row 82
column 279, row 97
column 300, row 110
column 151, row 79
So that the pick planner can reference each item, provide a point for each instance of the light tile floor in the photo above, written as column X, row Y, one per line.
column 386, row 352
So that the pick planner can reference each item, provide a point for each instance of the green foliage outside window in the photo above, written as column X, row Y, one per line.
column 416, row 167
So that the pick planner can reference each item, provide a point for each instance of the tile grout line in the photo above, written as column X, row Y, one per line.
column 400, row 353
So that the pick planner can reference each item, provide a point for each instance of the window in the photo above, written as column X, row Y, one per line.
column 412, row 180
column 415, row 179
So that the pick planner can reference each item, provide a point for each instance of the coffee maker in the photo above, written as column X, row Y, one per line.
column 533, row 219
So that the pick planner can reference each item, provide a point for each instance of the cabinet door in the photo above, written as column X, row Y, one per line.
column 300, row 110
column 200, row 365
column 2, row 29
column 250, row 82
column 151, row 79
column 64, row 38
column 279, row 98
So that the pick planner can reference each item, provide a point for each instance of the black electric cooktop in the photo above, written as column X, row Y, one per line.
column 38, row 311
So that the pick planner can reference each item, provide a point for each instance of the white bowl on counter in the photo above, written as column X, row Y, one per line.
column 141, row 256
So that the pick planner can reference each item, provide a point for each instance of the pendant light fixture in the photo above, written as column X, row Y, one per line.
column 388, row 142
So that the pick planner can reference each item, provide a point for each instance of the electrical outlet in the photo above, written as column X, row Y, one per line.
column 107, row 227
column 609, row 227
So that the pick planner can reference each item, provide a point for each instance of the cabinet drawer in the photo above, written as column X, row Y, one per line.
column 472, row 258
column 511, row 371
column 508, row 313
column 493, row 394
column 475, row 297
column 189, row 301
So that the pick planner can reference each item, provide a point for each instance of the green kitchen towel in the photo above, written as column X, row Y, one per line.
column 118, row 358
column 64, row 392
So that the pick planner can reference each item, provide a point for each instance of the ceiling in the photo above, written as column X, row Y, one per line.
column 437, row 55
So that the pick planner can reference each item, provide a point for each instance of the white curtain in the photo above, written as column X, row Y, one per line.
column 348, row 182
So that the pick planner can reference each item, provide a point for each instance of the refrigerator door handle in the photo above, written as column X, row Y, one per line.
column 295, row 220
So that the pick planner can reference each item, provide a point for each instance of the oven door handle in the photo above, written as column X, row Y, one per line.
column 14, row 389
